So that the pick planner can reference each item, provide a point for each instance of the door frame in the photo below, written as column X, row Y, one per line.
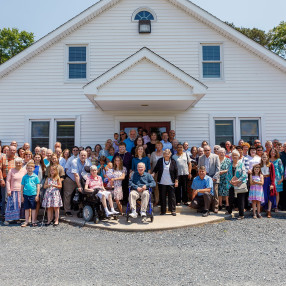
column 144, row 118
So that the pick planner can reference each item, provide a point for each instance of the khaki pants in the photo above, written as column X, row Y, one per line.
column 216, row 203
column 69, row 187
column 135, row 195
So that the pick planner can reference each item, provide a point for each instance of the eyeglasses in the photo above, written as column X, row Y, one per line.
column 207, row 150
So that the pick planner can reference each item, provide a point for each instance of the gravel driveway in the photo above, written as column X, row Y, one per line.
column 249, row 252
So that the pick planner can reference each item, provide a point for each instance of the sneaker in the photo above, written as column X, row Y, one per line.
column 143, row 214
column 107, row 213
column 205, row 213
column 6, row 222
column 114, row 212
column 133, row 214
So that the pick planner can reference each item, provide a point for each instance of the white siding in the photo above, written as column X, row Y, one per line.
column 39, row 88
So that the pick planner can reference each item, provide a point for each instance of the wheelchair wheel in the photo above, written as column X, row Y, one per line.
column 87, row 213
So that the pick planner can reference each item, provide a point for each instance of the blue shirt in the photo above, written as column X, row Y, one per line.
column 129, row 144
column 139, row 181
column 205, row 183
column 145, row 160
column 30, row 184
column 166, row 145
column 78, row 168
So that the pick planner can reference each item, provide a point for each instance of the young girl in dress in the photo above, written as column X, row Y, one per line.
column 256, row 194
column 52, row 199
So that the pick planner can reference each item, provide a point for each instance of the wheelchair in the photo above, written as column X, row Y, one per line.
column 149, row 212
column 90, row 204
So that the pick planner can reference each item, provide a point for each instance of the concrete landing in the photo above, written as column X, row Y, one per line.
column 184, row 218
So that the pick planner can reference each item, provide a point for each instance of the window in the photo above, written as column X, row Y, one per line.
column 40, row 133
column 144, row 15
column 66, row 133
column 211, row 56
column 223, row 131
column 77, row 62
column 249, row 130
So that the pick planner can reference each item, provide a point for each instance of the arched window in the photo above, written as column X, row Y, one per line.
column 144, row 15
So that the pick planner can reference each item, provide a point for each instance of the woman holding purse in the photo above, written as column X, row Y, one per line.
column 236, row 182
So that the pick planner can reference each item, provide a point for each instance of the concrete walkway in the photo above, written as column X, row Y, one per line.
column 185, row 217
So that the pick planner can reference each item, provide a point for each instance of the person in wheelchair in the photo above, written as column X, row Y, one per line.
column 94, row 183
column 139, row 184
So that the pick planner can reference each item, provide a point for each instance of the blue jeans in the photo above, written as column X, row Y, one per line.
column 4, row 199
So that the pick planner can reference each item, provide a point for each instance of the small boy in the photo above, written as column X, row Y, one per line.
column 30, row 189
column 115, row 143
column 146, row 137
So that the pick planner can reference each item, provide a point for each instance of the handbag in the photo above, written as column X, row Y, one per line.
column 241, row 189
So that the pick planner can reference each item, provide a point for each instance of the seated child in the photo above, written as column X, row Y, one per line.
column 108, row 183
column 93, row 182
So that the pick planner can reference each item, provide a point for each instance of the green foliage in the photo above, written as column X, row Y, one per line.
column 257, row 35
column 278, row 39
column 12, row 42
column 274, row 40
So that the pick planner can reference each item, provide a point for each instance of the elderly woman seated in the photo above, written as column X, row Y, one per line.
column 139, row 183
column 94, row 182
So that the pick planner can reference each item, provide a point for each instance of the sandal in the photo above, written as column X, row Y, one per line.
column 254, row 216
column 240, row 218
column 276, row 210
column 259, row 215
column 34, row 224
column 56, row 224
column 24, row 224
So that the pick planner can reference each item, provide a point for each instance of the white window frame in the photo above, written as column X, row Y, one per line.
column 53, row 124
column 221, row 61
column 67, row 62
column 225, row 118
column 237, row 117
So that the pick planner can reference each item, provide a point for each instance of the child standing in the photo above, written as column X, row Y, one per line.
column 30, row 190
column 256, row 194
column 52, row 199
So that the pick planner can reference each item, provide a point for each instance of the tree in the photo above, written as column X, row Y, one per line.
column 278, row 39
column 12, row 42
column 257, row 35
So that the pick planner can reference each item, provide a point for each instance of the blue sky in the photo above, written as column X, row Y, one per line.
column 41, row 17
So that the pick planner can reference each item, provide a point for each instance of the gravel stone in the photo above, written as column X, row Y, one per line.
column 248, row 252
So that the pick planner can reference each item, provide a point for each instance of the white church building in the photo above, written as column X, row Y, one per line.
column 158, row 64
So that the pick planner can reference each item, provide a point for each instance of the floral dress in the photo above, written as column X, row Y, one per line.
column 279, row 172
column 118, row 194
column 223, row 186
column 52, row 198
column 256, row 191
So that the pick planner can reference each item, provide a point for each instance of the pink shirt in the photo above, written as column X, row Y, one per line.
column 94, row 183
column 14, row 179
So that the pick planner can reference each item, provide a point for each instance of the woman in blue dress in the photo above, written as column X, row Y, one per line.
column 274, row 158
column 223, row 191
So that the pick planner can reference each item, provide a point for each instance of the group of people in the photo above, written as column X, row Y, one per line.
column 243, row 176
